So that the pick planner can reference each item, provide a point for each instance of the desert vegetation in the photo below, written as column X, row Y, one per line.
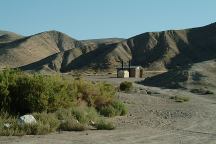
column 55, row 102
column 180, row 99
column 126, row 86
column 201, row 91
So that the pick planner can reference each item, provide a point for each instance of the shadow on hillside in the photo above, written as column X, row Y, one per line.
column 95, row 59
column 172, row 79
column 201, row 47
column 39, row 64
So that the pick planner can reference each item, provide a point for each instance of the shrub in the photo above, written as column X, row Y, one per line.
column 48, row 120
column 120, row 108
column 80, row 114
column 201, row 91
column 180, row 98
column 114, row 109
column 13, row 130
column 63, row 114
column 126, row 86
column 72, row 125
column 103, row 125
column 36, row 129
column 107, row 111
column 84, row 114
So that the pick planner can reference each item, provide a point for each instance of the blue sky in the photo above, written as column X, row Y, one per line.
column 90, row 19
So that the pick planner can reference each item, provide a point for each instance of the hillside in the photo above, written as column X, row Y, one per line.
column 152, row 50
column 6, row 36
column 168, row 49
column 30, row 49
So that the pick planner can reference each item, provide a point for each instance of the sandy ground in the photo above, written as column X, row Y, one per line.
column 152, row 119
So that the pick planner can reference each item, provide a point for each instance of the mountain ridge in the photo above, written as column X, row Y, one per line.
column 153, row 50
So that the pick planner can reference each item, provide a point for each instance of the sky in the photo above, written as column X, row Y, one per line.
column 93, row 19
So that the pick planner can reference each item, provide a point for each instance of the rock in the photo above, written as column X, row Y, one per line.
column 27, row 119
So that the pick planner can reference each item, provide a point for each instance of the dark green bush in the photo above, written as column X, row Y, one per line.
column 126, row 86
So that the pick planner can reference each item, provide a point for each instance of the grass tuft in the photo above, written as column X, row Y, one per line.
column 103, row 125
column 180, row 99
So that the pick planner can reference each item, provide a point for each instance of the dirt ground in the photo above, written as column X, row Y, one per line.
column 153, row 118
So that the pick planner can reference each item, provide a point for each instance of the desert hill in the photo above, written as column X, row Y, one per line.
column 167, row 49
column 107, row 55
column 6, row 36
column 30, row 49
column 153, row 50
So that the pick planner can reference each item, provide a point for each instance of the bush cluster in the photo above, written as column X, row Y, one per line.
column 55, row 102
column 25, row 93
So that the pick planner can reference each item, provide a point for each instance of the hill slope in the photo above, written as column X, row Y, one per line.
column 6, row 36
column 167, row 49
column 153, row 50
column 30, row 49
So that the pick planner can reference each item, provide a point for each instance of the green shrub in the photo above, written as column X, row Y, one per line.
column 48, row 120
column 120, row 108
column 126, row 86
column 63, row 114
column 84, row 114
column 113, row 109
column 180, row 98
column 13, row 130
column 107, row 111
column 72, row 125
column 80, row 114
column 103, row 125
column 36, row 129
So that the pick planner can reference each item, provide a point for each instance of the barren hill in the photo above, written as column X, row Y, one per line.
column 30, row 49
column 6, row 36
column 153, row 50
column 167, row 49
